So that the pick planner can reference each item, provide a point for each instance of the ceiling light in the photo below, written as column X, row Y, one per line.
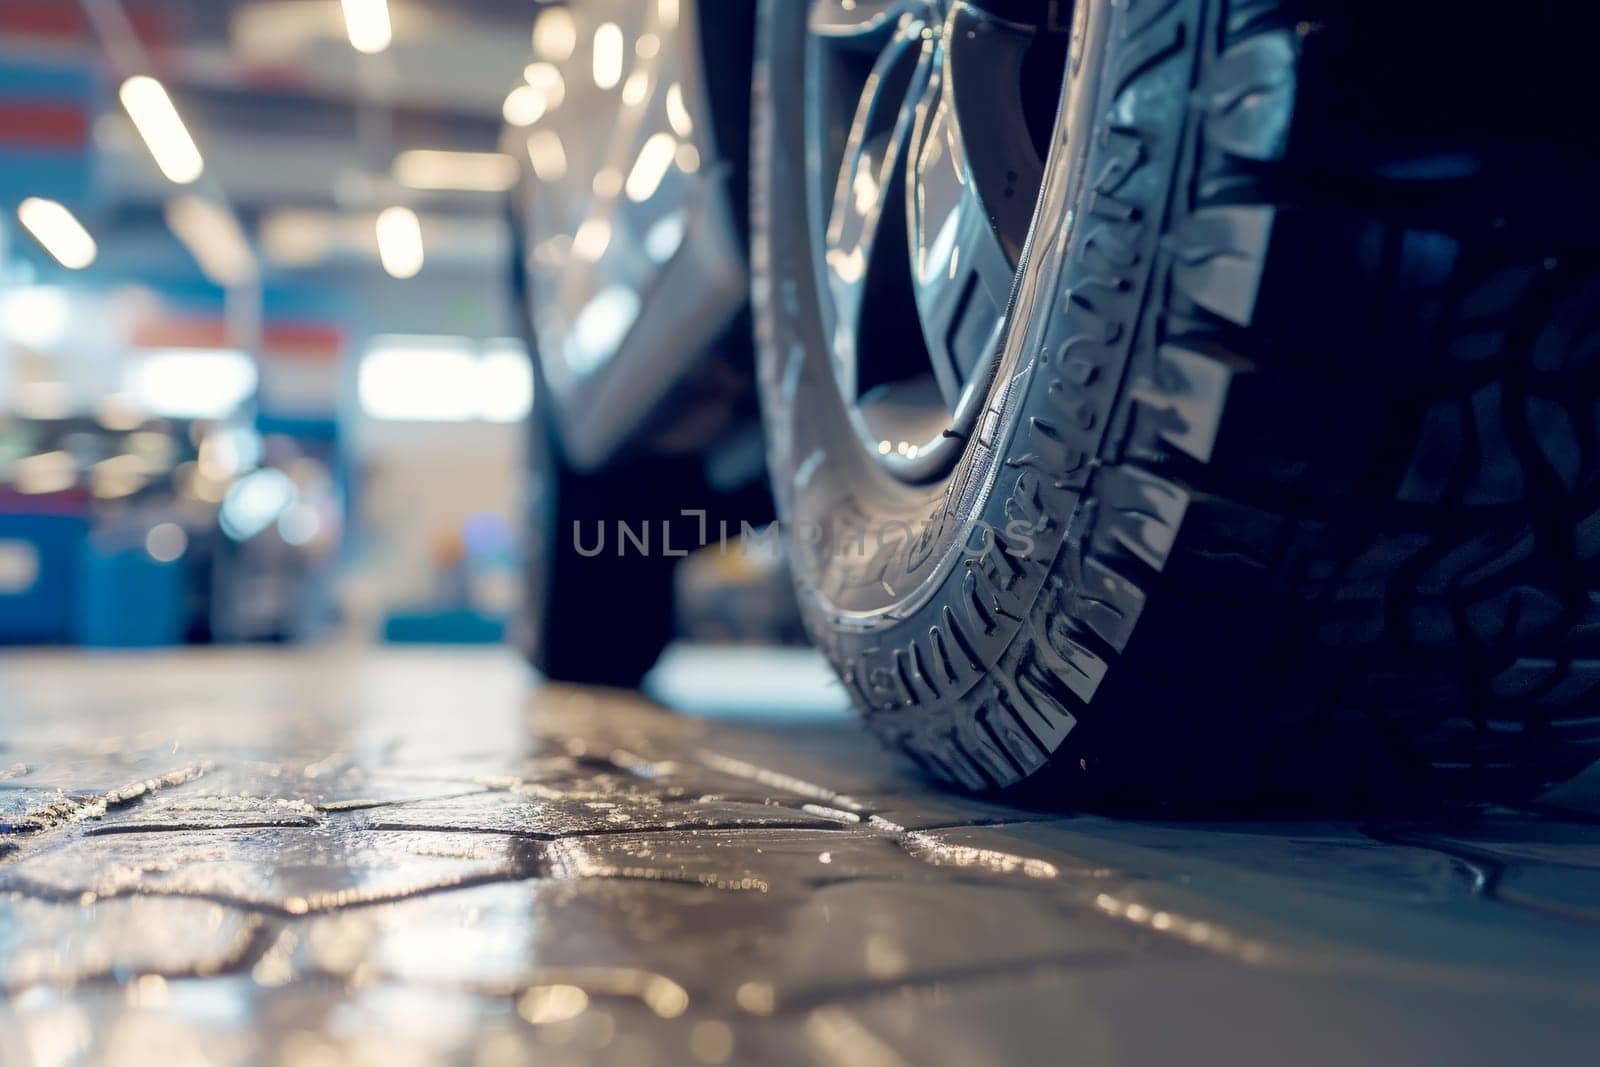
column 554, row 35
column 59, row 231
column 505, row 382
column 367, row 24
column 592, row 239
column 677, row 113
column 478, row 172
column 548, row 80
column 35, row 315
column 636, row 87
column 650, row 167
column 607, row 55
column 400, row 242
column 191, row 383
column 212, row 236
column 524, row 106
column 549, row 158
column 163, row 131
column 419, row 379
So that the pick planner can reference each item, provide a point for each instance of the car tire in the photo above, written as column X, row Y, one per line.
column 1285, row 487
column 595, row 614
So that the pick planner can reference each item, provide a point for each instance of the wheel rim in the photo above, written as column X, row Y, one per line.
column 927, row 126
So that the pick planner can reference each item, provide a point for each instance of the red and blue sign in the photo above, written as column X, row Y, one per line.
column 50, row 91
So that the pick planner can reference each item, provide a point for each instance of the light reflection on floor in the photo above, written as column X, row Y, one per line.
column 748, row 682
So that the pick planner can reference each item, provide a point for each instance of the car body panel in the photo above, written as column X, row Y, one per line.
column 629, row 233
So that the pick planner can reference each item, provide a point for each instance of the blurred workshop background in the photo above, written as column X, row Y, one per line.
column 260, row 380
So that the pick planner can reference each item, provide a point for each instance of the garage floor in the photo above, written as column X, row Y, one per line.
column 388, row 858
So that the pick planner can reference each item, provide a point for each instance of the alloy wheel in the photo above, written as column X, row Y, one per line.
column 927, row 129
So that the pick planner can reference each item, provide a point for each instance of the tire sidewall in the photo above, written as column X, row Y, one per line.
column 986, row 564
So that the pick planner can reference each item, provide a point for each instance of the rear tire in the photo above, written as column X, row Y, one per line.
column 1294, row 457
column 599, row 618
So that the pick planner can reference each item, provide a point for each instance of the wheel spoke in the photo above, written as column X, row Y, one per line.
column 974, row 177
column 926, row 121
column 866, row 193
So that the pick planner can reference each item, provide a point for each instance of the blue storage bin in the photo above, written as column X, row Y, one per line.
column 128, row 600
column 39, row 559
column 443, row 627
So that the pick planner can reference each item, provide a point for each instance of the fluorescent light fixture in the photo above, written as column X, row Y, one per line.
column 607, row 55
column 164, row 133
column 445, row 379
column 651, row 165
column 197, row 383
column 212, row 236
column 636, row 88
column 477, row 172
column 35, row 315
column 548, row 157
column 543, row 90
column 547, row 79
column 677, row 113
column 554, row 35
column 367, row 24
column 400, row 242
column 419, row 379
column 59, row 231
column 505, row 382
column 524, row 106
column 592, row 239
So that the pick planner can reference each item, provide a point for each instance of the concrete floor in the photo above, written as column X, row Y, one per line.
column 396, row 858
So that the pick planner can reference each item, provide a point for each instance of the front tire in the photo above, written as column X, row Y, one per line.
column 1284, row 483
